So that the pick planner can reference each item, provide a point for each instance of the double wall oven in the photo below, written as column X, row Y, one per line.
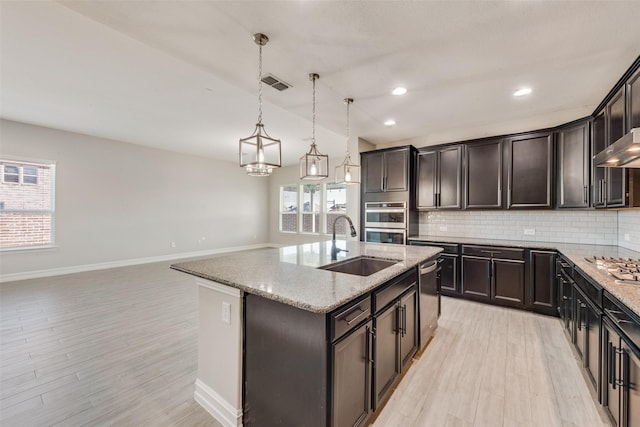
column 385, row 222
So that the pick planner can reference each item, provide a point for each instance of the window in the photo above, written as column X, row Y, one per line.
column 289, row 209
column 27, row 204
column 336, row 205
column 312, row 208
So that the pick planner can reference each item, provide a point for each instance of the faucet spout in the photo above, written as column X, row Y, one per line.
column 334, row 249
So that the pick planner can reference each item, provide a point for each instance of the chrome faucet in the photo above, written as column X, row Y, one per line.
column 334, row 249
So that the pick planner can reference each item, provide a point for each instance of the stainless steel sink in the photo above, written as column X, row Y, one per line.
column 360, row 266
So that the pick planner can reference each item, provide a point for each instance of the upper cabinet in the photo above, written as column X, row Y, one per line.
column 483, row 175
column 386, row 170
column 573, row 166
column 633, row 101
column 529, row 161
column 440, row 178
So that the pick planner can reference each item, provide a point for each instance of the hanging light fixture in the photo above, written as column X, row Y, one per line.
column 313, row 165
column 260, row 153
column 348, row 172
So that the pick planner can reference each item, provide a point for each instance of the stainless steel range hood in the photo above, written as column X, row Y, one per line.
column 624, row 153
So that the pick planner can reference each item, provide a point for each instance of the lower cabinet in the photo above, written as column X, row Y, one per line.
column 541, row 295
column 352, row 375
column 396, row 341
column 476, row 277
column 449, row 266
column 620, row 365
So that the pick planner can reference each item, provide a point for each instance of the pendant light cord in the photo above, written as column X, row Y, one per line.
column 348, row 128
column 260, row 84
column 313, row 113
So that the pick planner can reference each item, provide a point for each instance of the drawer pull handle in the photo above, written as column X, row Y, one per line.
column 350, row 321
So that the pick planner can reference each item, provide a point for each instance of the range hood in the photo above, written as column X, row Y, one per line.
column 624, row 153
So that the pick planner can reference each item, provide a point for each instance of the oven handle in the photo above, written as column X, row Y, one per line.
column 387, row 230
column 385, row 210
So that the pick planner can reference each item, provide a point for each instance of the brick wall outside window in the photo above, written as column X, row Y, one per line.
column 26, row 217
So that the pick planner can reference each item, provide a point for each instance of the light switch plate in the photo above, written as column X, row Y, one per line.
column 226, row 312
column 443, row 228
column 627, row 237
column 529, row 231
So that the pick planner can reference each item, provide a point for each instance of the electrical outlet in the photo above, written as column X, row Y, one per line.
column 627, row 237
column 529, row 231
column 443, row 228
column 226, row 312
column 172, row 244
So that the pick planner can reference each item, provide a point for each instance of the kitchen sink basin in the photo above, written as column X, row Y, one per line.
column 360, row 266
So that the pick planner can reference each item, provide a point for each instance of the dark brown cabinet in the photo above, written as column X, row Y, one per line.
column 352, row 368
column 529, row 161
column 440, row 178
column 483, row 175
column 573, row 166
column 633, row 101
column 494, row 274
column 587, row 334
column 542, row 290
column 610, row 184
column 396, row 338
column 386, row 170
column 449, row 265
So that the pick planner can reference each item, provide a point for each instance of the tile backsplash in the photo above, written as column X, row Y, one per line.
column 593, row 227
column 629, row 229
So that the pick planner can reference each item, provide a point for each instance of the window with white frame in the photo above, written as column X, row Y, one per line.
column 26, row 204
column 312, row 208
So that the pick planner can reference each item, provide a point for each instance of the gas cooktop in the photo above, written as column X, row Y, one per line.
column 625, row 270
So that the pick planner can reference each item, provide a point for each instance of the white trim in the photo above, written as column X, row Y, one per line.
column 218, row 287
column 220, row 409
column 122, row 263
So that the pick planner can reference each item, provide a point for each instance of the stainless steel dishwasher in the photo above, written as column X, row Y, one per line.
column 429, row 299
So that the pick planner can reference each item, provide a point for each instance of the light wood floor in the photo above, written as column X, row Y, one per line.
column 119, row 347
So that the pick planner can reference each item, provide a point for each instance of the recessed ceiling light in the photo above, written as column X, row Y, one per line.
column 399, row 90
column 522, row 92
column 389, row 122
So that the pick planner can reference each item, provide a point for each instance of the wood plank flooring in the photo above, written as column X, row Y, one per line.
column 119, row 347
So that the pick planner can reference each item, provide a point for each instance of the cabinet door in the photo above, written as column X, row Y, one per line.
column 631, row 388
column 611, row 373
column 386, row 352
column 476, row 276
column 449, row 274
column 599, row 141
column 616, row 185
column 633, row 101
column 542, row 293
column 450, row 177
column 508, row 282
column 574, row 164
column 483, row 179
column 373, row 165
column 579, row 310
column 427, row 170
column 530, row 171
column 408, row 327
column 592, row 355
column 352, row 378
column 396, row 170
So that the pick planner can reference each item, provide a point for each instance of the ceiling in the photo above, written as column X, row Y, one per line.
column 181, row 75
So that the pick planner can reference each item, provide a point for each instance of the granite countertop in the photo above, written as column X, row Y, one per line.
column 290, row 274
column 628, row 294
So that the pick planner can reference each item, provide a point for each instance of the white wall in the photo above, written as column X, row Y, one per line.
column 629, row 226
column 117, row 201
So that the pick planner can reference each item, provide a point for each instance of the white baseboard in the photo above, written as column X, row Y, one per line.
column 124, row 263
column 220, row 409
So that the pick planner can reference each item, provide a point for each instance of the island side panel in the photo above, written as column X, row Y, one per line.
column 219, row 381
column 285, row 365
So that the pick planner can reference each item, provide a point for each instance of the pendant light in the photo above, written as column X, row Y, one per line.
column 347, row 172
column 313, row 165
column 260, row 153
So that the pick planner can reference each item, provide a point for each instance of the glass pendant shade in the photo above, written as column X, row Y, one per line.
column 313, row 165
column 347, row 172
column 259, row 153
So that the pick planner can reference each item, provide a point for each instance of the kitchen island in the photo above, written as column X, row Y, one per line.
column 283, row 342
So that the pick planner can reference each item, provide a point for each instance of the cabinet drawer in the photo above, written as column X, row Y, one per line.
column 393, row 290
column 348, row 318
column 590, row 290
column 493, row 252
column 448, row 248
